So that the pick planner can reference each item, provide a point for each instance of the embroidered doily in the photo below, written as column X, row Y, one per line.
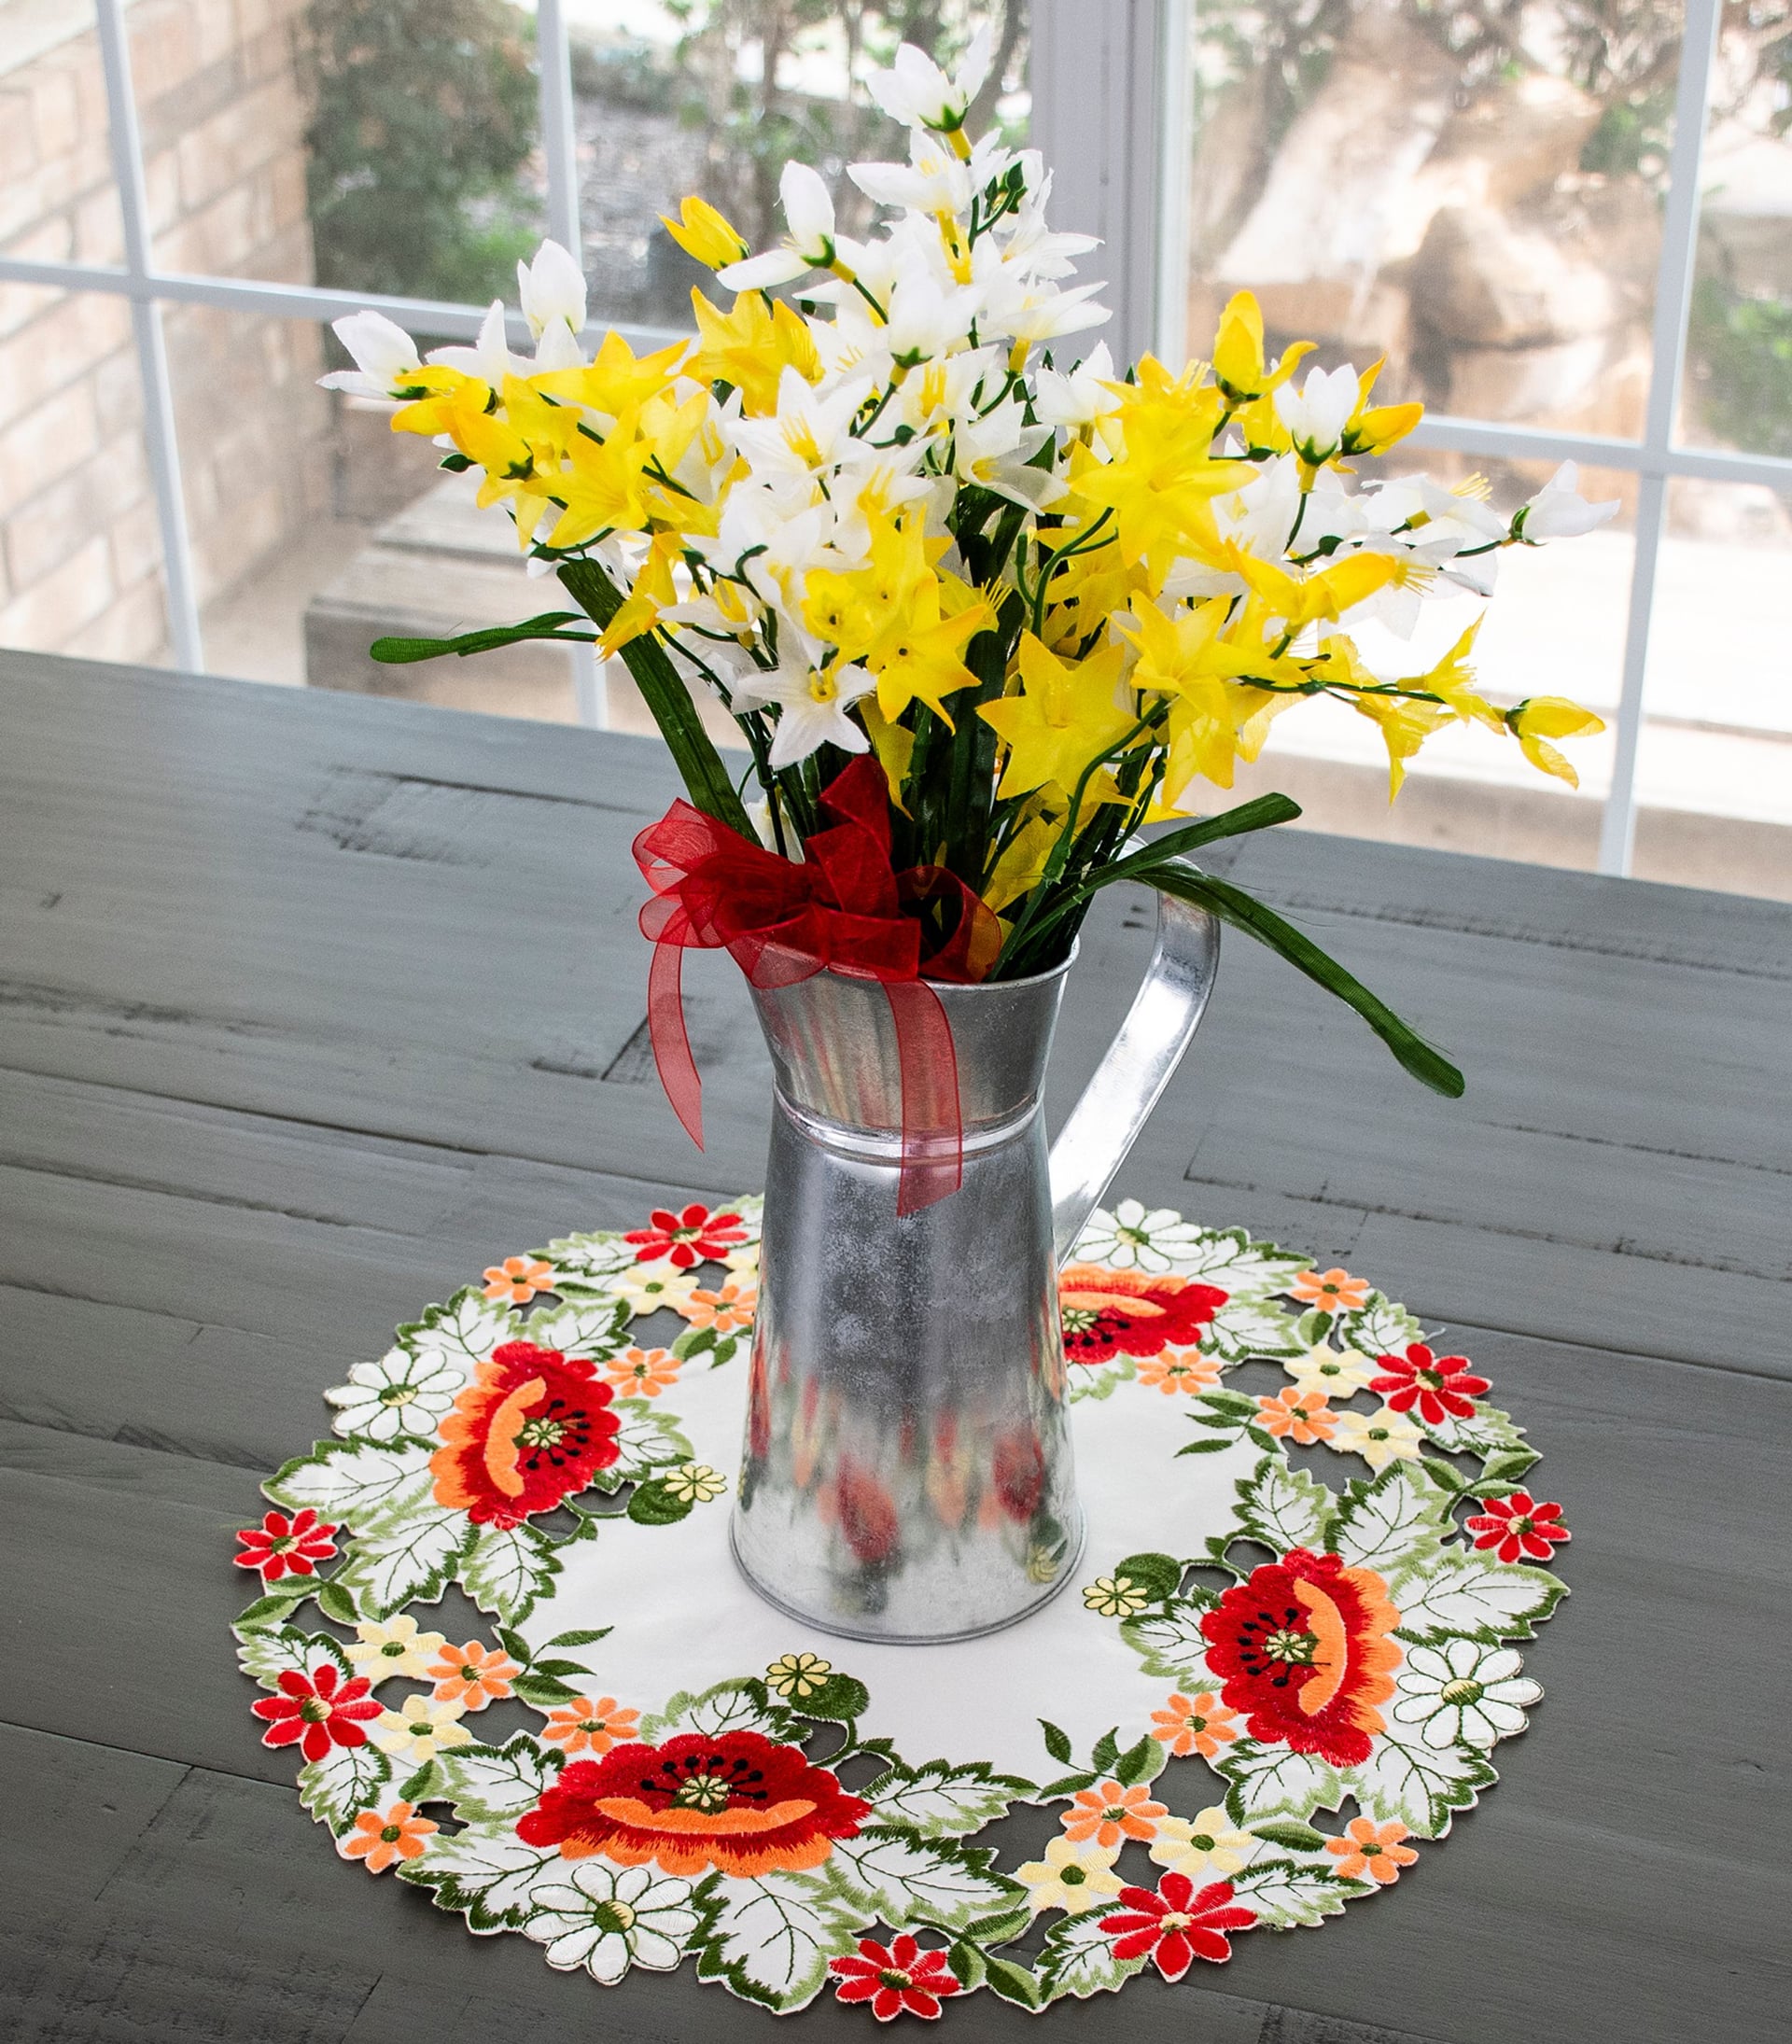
column 532, row 1683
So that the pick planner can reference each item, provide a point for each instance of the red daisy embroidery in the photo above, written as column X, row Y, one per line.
column 1107, row 1312
column 1177, row 1926
column 1302, row 1647
column 318, row 1711
column 1519, row 1527
column 1440, row 1386
column 893, row 1978
column 694, row 1236
column 735, row 1802
column 280, row 1545
column 530, row 1429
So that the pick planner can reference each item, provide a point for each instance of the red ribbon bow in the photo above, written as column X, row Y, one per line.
column 844, row 909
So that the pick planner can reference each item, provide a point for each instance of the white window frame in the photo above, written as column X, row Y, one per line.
column 1110, row 89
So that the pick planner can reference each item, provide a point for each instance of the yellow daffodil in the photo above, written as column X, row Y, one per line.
column 749, row 347
column 617, row 381
column 452, row 394
column 919, row 654
column 1541, row 718
column 1238, row 366
column 1373, row 431
column 1063, row 717
column 707, row 237
column 1405, row 727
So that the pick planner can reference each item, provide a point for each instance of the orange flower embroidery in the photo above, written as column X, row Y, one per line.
column 1195, row 1723
column 641, row 1373
column 518, row 1278
column 1372, row 1850
column 1302, row 1417
column 381, row 1839
column 725, row 1310
column 585, row 1727
column 1331, row 1291
column 1109, row 1814
column 472, row 1675
column 1179, row 1370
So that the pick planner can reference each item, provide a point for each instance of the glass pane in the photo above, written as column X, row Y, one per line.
column 716, row 96
column 1556, row 626
column 1473, row 193
column 58, row 203
column 367, row 144
column 1717, row 741
column 1738, row 391
column 81, row 558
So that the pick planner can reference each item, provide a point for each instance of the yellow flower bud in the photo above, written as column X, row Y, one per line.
column 706, row 234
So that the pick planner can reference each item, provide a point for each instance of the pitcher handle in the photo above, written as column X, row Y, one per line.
column 1128, row 1083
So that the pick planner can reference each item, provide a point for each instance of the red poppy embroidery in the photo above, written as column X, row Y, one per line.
column 1440, row 1386
column 318, row 1711
column 280, row 1545
column 1516, row 1526
column 531, row 1428
column 694, row 1236
column 894, row 1977
column 735, row 1802
column 1302, row 1647
column 1106, row 1312
column 1178, row 1925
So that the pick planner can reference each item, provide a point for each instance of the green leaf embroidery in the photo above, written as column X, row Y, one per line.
column 488, row 1876
column 1392, row 1523
column 771, row 1938
column 1417, row 1785
column 1057, row 1744
column 1156, row 1575
column 1077, row 1959
column 904, row 1882
column 345, row 1780
column 941, row 1800
column 268, row 1655
column 652, row 1504
column 1286, row 1894
column 407, row 1560
column 1480, row 1597
column 1170, row 1641
column 1275, row 1781
column 507, row 1568
column 354, row 1483
column 495, row 1784
column 1283, row 1506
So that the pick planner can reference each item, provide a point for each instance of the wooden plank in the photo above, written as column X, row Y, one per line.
column 1628, row 1084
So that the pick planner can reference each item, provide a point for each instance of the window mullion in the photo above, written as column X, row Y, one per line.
column 1672, row 307
column 560, row 146
column 152, row 355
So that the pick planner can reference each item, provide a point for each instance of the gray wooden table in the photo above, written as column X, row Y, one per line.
column 311, row 1004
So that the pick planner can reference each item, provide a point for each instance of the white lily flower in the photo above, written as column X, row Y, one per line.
column 994, row 453
column 1082, row 396
column 1558, row 511
column 1257, row 518
column 915, row 92
column 489, row 358
column 1317, row 414
column 809, row 432
column 812, row 702
column 808, row 214
column 549, row 288
column 383, row 353
column 934, row 180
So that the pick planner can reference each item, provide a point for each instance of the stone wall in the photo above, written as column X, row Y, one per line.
column 223, row 126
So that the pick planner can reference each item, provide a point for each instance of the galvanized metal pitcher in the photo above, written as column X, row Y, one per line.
column 907, row 1474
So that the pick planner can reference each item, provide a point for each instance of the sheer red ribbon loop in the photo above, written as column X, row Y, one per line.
column 844, row 909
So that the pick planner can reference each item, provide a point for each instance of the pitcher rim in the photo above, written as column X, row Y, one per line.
column 944, row 987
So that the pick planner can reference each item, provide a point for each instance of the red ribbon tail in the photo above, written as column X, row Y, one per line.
column 671, row 1040
column 932, row 1132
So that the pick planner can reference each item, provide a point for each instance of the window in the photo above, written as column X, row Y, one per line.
column 1567, row 226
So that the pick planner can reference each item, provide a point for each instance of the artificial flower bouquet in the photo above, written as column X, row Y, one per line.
column 980, row 617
